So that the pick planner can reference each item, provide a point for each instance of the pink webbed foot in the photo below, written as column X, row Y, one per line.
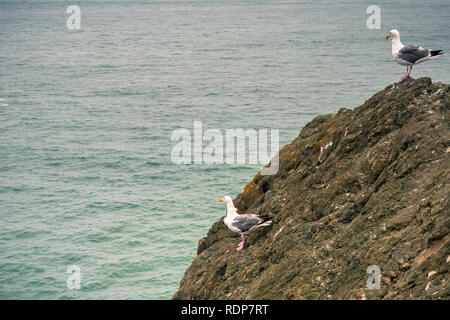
column 408, row 71
column 241, row 244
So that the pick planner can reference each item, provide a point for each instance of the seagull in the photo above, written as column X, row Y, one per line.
column 242, row 223
column 409, row 55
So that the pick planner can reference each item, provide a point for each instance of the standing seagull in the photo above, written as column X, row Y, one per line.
column 409, row 55
column 242, row 223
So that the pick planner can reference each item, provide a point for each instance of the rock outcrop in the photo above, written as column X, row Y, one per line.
column 362, row 187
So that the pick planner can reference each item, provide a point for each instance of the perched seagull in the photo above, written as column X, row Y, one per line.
column 409, row 55
column 242, row 223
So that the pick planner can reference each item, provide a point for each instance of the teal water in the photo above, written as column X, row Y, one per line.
column 86, row 118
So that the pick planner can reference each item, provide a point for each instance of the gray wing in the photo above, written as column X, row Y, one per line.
column 412, row 53
column 245, row 222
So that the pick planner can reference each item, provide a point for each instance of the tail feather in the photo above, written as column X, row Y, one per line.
column 267, row 222
column 436, row 52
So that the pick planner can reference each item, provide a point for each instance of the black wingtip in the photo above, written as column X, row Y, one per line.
column 436, row 52
column 266, row 218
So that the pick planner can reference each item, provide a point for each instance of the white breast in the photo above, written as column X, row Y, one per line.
column 228, row 222
column 396, row 46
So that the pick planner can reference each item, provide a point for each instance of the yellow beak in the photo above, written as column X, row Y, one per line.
column 220, row 200
column 387, row 37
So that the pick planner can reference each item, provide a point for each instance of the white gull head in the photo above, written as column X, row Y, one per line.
column 394, row 34
column 226, row 199
column 231, row 209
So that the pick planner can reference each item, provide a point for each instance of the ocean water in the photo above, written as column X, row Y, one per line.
column 86, row 118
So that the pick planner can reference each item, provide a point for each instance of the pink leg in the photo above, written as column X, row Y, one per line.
column 241, row 244
column 410, row 68
column 406, row 74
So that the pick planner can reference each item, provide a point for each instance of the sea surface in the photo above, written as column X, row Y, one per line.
column 87, row 176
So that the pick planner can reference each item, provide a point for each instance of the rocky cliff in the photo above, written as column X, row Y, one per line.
column 362, row 187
